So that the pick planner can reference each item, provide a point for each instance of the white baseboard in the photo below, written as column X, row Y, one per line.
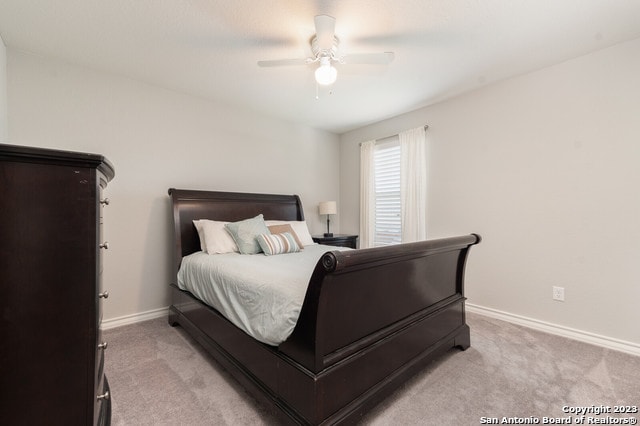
column 134, row 318
column 582, row 336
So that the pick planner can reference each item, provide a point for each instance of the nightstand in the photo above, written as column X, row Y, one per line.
column 340, row 240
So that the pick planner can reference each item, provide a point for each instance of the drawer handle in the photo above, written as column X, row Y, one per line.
column 104, row 245
column 103, row 396
column 104, row 295
column 104, row 201
column 102, row 345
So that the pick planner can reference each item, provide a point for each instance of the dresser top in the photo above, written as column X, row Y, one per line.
column 54, row 156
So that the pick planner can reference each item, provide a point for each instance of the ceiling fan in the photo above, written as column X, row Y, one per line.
column 324, row 48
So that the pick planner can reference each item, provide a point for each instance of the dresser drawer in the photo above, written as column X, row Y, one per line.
column 100, row 355
column 102, row 415
column 102, row 243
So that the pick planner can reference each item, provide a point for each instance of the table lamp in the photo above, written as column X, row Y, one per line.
column 328, row 208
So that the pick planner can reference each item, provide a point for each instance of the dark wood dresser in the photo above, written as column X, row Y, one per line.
column 51, row 248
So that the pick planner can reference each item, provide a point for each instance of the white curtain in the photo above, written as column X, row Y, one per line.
column 367, row 195
column 413, row 178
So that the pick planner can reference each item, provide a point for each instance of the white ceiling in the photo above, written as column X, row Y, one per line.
column 210, row 48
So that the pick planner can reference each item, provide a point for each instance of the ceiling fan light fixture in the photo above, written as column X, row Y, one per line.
column 326, row 74
column 324, row 52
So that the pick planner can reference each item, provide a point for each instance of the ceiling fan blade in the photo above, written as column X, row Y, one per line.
column 283, row 62
column 325, row 31
column 368, row 58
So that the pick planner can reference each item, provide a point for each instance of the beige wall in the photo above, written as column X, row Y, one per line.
column 546, row 167
column 158, row 139
column 543, row 166
column 3, row 92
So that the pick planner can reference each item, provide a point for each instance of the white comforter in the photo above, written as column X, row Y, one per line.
column 260, row 294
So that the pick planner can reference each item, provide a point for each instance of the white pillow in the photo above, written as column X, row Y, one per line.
column 299, row 227
column 217, row 239
column 198, row 223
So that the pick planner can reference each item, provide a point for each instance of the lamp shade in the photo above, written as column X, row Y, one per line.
column 328, row 207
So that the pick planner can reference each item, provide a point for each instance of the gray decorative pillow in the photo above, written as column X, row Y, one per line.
column 244, row 233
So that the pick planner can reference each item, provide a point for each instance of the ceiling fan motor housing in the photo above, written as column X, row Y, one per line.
column 320, row 51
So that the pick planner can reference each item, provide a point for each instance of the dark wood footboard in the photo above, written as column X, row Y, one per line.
column 371, row 316
column 370, row 319
column 377, row 292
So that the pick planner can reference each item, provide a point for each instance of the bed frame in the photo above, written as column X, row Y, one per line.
column 371, row 318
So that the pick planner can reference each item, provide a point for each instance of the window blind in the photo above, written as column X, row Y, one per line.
column 388, row 225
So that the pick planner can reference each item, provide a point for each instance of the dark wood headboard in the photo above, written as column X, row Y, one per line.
column 224, row 206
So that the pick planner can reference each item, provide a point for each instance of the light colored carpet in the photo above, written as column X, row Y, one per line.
column 161, row 376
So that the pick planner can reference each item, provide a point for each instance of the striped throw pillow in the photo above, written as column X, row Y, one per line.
column 277, row 243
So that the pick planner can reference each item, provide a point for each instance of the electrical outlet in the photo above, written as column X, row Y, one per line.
column 558, row 293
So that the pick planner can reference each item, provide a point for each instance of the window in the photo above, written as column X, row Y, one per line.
column 387, row 218
column 393, row 189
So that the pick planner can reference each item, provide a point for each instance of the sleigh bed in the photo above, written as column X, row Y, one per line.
column 370, row 318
